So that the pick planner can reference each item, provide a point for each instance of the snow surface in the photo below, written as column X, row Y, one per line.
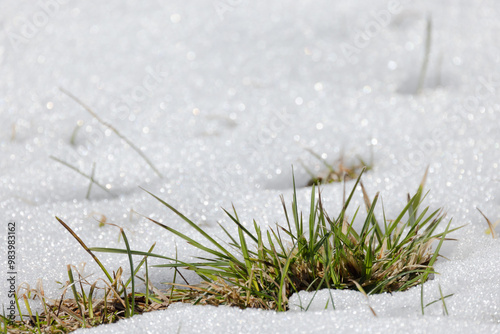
column 224, row 96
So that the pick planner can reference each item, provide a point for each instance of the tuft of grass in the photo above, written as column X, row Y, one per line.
column 256, row 269
column 91, row 305
column 337, row 171
column 263, row 269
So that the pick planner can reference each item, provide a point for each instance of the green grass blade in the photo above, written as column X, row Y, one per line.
column 368, row 220
column 226, row 254
column 298, row 226
column 442, row 299
column 124, row 251
column 18, row 307
column 422, row 297
column 144, row 259
column 439, row 299
column 193, row 225
column 244, row 250
column 90, row 178
column 236, row 220
column 436, row 252
column 75, row 293
column 132, row 272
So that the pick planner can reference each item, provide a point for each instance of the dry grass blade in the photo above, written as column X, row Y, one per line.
column 490, row 225
column 360, row 289
column 112, row 128
column 90, row 178
column 366, row 198
column 80, row 241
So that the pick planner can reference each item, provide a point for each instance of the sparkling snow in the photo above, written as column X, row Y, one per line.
column 224, row 96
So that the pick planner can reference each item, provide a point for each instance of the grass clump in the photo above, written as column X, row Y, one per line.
column 90, row 303
column 337, row 171
column 92, row 307
column 263, row 269
column 258, row 269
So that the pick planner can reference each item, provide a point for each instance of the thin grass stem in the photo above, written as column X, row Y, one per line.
column 112, row 128
column 89, row 177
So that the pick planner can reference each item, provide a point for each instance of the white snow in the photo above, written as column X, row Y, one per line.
column 225, row 96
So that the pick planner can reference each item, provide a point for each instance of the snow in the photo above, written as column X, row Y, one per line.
column 224, row 96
